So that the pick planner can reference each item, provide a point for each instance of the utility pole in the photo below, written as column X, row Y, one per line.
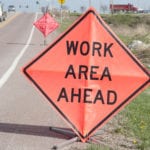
column 89, row 3
column 50, row 5
column 112, row 6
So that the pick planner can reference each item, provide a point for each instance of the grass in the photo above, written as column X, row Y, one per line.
column 138, row 120
column 66, row 22
column 132, row 27
column 97, row 147
column 131, row 20
column 143, row 56
column 127, row 39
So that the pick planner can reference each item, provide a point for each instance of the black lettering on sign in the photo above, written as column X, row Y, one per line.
column 72, row 46
column 106, row 74
column 96, row 48
column 86, row 96
column 99, row 97
column 84, row 48
column 70, row 72
column 63, row 95
column 111, row 97
column 107, row 49
column 88, row 73
column 83, row 70
column 94, row 72
column 77, row 94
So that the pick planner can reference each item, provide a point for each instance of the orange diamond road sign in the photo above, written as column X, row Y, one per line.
column 88, row 74
column 46, row 24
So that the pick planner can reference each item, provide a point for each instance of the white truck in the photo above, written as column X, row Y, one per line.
column 3, row 13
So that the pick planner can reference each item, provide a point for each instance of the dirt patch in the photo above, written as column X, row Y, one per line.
column 110, row 136
column 8, row 19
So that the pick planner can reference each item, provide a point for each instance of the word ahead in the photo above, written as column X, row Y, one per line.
column 110, row 98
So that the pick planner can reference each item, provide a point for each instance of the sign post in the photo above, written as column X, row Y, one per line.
column 61, row 3
column 46, row 24
column 91, row 82
column 89, row 3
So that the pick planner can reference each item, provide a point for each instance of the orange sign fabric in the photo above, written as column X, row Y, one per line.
column 46, row 24
column 88, row 74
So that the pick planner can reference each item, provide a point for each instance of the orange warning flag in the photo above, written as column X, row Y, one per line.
column 46, row 24
column 88, row 74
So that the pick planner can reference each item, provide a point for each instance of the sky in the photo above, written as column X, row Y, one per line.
column 73, row 5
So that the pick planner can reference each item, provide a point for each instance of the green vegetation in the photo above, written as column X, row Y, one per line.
column 131, row 20
column 143, row 56
column 137, row 124
column 127, row 39
column 66, row 23
column 97, row 147
column 123, row 20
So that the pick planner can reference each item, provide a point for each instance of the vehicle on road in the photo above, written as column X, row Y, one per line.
column 3, row 14
column 114, row 8
column 11, row 8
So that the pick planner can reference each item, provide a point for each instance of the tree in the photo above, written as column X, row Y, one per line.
column 104, row 8
column 37, row 2
column 82, row 9
column 65, row 7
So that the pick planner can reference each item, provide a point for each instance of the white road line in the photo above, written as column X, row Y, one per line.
column 11, row 69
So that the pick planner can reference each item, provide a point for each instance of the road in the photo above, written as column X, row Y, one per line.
column 25, row 115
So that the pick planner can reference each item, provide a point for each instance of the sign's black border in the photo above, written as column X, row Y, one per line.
column 59, row 39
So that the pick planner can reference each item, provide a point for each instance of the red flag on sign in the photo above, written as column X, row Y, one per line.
column 46, row 24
